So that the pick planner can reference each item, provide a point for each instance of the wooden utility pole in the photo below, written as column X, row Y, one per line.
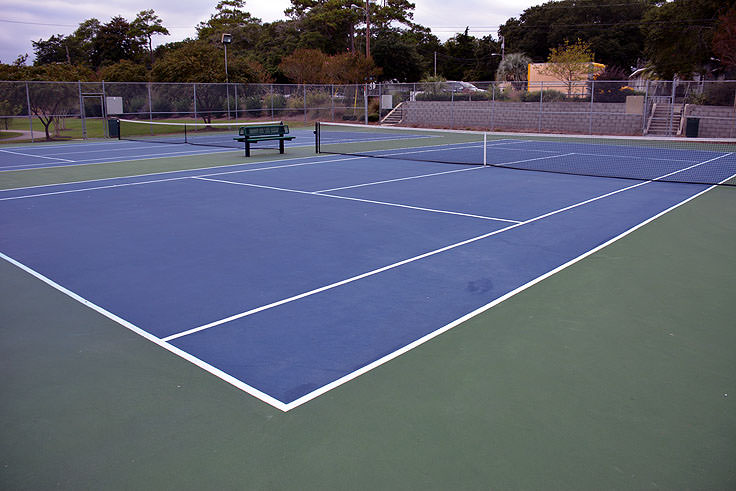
column 367, row 28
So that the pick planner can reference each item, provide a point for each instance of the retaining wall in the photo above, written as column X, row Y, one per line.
column 549, row 117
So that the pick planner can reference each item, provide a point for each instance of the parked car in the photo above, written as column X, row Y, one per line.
column 448, row 87
column 463, row 87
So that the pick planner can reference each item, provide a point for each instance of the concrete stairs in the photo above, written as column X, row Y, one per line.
column 665, row 119
column 394, row 117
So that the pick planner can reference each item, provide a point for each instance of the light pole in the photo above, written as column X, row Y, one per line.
column 227, row 39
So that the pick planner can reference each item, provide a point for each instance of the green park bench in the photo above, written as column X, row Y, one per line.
column 255, row 134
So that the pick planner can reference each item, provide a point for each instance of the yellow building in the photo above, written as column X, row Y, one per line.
column 538, row 73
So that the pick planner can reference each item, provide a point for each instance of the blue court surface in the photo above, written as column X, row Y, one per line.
column 28, row 157
column 289, row 278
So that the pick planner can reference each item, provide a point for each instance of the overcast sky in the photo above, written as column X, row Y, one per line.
column 23, row 21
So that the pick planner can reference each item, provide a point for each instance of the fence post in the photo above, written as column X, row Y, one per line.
column 150, row 107
column 452, row 109
column 235, row 88
column 592, row 92
column 645, row 109
column 365, row 103
column 305, row 102
column 30, row 115
column 194, row 92
column 104, row 112
column 380, row 102
column 332, row 102
column 81, row 111
column 672, row 108
column 541, row 92
column 227, row 98
column 493, row 105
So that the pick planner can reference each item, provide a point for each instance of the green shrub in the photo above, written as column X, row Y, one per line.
column 318, row 99
column 162, row 105
column 437, row 96
column 253, row 102
column 547, row 96
column 720, row 94
column 277, row 101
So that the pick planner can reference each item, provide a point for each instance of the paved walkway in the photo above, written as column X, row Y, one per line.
column 25, row 135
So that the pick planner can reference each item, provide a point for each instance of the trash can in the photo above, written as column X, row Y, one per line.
column 113, row 128
column 692, row 126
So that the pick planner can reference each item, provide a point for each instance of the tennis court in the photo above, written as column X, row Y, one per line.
column 294, row 279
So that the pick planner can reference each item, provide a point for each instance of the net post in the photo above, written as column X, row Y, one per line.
column 185, row 133
column 316, row 137
column 485, row 149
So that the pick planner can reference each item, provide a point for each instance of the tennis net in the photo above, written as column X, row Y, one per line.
column 207, row 134
column 698, row 161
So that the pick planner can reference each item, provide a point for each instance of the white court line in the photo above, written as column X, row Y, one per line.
column 395, row 354
column 133, row 158
column 194, row 151
column 37, row 156
column 307, row 397
column 146, row 335
column 83, row 150
column 421, row 256
column 153, row 181
column 348, row 198
column 421, row 176
column 619, row 156
column 96, row 188
column 392, row 266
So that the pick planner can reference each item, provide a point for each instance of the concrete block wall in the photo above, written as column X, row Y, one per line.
column 715, row 121
column 555, row 117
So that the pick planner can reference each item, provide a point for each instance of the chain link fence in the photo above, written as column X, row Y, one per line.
column 57, row 110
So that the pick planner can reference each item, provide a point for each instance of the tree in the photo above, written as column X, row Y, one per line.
column 231, row 18
column 306, row 66
column 610, row 85
column 114, row 42
column 679, row 36
column 199, row 61
column 51, row 102
column 124, row 71
column 332, row 25
column 52, row 50
column 275, row 41
column 514, row 68
column 397, row 54
column 145, row 25
column 570, row 63
column 611, row 28
column 724, row 39
column 465, row 57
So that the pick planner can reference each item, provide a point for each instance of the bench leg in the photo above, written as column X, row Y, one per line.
column 247, row 148
column 281, row 146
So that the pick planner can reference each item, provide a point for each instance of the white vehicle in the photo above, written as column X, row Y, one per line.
column 463, row 87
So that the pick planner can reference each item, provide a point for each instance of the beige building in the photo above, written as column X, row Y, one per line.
column 537, row 73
